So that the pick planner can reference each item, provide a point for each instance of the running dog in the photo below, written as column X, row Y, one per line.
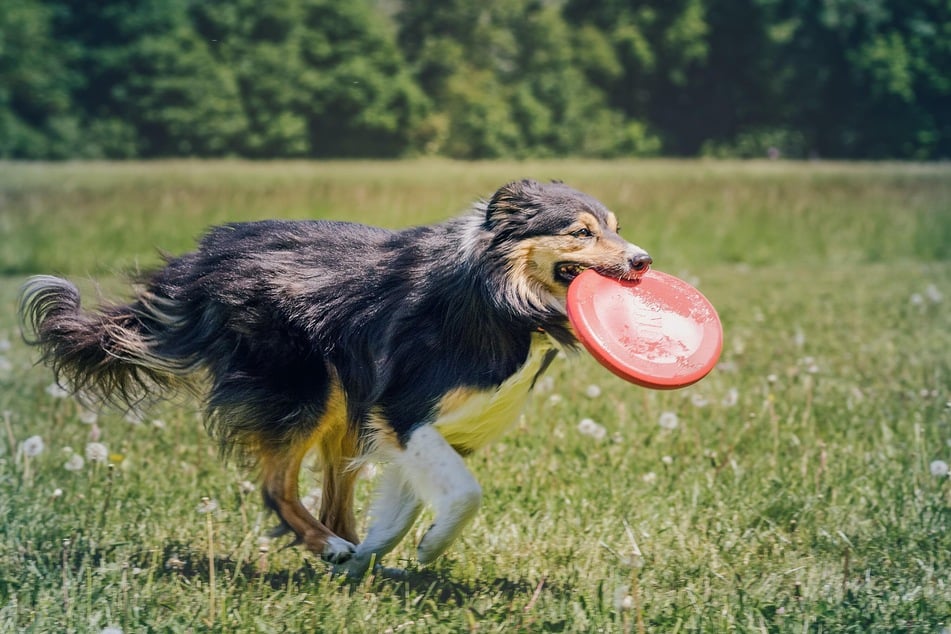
column 410, row 348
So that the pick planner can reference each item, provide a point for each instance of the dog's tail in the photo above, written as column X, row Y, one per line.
column 108, row 355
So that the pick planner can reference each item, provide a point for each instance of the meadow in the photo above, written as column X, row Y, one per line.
column 801, row 487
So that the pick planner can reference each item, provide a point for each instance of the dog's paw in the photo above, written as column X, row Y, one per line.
column 337, row 550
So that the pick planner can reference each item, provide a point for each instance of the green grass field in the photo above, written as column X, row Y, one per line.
column 792, row 490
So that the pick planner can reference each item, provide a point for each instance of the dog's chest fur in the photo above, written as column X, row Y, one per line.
column 471, row 418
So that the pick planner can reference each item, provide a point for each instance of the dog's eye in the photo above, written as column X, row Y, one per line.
column 582, row 233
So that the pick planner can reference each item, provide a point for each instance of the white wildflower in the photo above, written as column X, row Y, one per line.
column 56, row 390
column 669, row 421
column 590, row 428
column 939, row 468
column 112, row 629
column 32, row 446
column 207, row 505
column 134, row 417
column 96, row 452
column 667, row 460
column 158, row 423
column 75, row 463
column 554, row 399
column 699, row 400
column 88, row 416
column 772, row 378
column 623, row 600
column 247, row 486
column 916, row 299
column 731, row 398
column 57, row 493
column 933, row 294
column 592, row 391
column 799, row 338
column 649, row 478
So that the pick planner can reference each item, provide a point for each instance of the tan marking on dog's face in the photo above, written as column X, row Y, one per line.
column 544, row 265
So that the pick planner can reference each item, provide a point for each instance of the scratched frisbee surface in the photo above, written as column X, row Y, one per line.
column 659, row 332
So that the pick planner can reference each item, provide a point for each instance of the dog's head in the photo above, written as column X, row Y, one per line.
column 549, row 233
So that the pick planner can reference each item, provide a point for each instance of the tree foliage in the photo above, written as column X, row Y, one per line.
column 474, row 79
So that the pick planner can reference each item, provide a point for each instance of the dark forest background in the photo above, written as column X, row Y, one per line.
column 863, row 79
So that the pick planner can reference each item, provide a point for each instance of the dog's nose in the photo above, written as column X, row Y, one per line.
column 641, row 262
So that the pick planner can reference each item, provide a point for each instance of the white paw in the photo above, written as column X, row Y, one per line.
column 338, row 550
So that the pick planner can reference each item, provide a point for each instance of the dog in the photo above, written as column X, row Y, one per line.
column 409, row 348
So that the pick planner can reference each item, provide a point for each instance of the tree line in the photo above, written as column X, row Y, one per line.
column 474, row 79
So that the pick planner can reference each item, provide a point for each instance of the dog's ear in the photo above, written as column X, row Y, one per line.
column 514, row 198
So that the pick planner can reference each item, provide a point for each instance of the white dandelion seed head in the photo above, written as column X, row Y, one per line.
column 699, row 400
column 134, row 417
column 555, row 399
column 247, row 486
column 57, row 493
column 207, row 505
column 668, row 421
column 56, row 390
column 158, row 423
column 939, row 468
column 799, row 338
column 667, row 460
column 772, row 378
column 933, row 294
column 88, row 416
column 916, row 299
column 96, row 452
column 623, row 600
column 32, row 446
column 592, row 391
column 590, row 428
column 731, row 397
column 649, row 478
column 75, row 463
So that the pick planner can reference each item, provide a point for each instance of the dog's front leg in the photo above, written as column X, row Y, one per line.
column 395, row 507
column 441, row 479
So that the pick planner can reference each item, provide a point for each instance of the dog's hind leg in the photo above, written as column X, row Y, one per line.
column 440, row 478
column 280, row 472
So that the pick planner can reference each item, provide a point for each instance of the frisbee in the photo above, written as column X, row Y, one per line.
column 658, row 332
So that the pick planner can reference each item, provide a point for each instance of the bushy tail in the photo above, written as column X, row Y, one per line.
column 108, row 355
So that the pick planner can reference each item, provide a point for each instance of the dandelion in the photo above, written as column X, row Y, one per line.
column 96, row 452
column 667, row 460
column 939, row 468
column 772, row 378
column 590, row 428
column 731, row 398
column 592, row 391
column 112, row 629
column 623, row 600
column 934, row 294
column 158, row 423
column 75, row 463
column 554, row 399
column 916, row 299
column 88, row 416
column 668, row 421
column 32, row 446
column 56, row 390
column 57, row 493
column 649, row 478
column 699, row 400
column 134, row 417
column 247, row 487
column 207, row 505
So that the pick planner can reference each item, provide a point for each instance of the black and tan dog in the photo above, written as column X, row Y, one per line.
column 410, row 348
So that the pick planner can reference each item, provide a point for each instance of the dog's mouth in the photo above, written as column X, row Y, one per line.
column 565, row 272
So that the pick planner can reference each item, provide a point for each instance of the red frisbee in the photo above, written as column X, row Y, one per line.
column 658, row 332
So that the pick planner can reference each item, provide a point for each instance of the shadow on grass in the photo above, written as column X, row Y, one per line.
column 178, row 559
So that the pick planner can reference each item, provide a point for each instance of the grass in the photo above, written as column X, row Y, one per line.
column 795, row 493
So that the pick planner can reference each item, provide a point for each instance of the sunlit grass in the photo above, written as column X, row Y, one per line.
column 791, row 490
